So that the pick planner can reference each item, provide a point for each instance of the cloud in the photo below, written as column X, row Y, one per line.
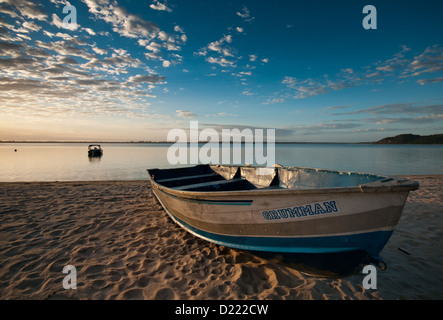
column 397, row 108
column 245, row 14
column 90, row 31
column 99, row 50
column 430, row 61
column 26, row 8
column 157, row 5
column 218, row 52
column 178, row 29
column 10, row 84
column 123, row 22
column 309, row 87
column 337, row 107
column 67, row 60
column 418, row 120
column 119, row 62
column 398, row 62
column 57, row 95
column 228, row 132
column 219, row 46
column 374, row 74
column 389, row 68
column 150, row 78
column 183, row 36
column 398, row 67
column 432, row 80
column 242, row 74
column 7, row 9
column 147, row 33
column 11, row 49
column 57, row 22
column 53, row 74
column 348, row 70
column 66, row 47
column 134, row 27
column 240, row 127
column 185, row 114
column 330, row 126
column 37, row 80
column 322, row 128
column 221, row 115
column 221, row 61
column 221, row 51
column 403, row 66
column 275, row 100
column 31, row 26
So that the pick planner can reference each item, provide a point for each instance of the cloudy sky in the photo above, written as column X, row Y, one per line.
column 133, row 70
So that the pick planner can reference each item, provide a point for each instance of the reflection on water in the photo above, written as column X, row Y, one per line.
column 95, row 159
column 69, row 161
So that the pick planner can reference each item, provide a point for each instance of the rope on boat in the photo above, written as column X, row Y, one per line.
column 382, row 265
column 378, row 262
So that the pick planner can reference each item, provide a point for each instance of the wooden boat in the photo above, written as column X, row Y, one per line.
column 283, row 209
column 94, row 150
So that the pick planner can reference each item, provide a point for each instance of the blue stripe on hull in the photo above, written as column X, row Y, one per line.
column 371, row 242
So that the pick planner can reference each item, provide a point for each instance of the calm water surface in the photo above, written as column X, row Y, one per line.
column 69, row 161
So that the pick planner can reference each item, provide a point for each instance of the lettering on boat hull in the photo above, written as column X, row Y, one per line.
column 325, row 207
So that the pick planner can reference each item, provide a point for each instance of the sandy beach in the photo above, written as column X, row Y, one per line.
column 124, row 246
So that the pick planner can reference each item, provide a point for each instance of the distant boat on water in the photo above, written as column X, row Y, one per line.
column 284, row 209
column 94, row 150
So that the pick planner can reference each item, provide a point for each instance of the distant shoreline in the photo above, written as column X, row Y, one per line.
column 204, row 142
column 169, row 142
column 402, row 139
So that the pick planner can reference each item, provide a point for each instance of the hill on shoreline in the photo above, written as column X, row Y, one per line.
column 413, row 139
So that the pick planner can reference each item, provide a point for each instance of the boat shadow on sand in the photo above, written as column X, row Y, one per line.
column 330, row 265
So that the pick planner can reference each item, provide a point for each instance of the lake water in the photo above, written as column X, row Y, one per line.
column 128, row 161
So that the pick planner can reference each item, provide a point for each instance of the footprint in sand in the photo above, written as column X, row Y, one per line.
column 165, row 294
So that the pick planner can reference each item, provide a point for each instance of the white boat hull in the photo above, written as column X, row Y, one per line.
column 305, row 220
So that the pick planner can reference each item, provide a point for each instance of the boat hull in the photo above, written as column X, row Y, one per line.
column 352, row 222
column 95, row 153
column 285, row 210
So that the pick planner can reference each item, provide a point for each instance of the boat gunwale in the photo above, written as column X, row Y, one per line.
column 393, row 184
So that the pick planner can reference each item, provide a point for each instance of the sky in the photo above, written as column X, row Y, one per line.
column 127, row 70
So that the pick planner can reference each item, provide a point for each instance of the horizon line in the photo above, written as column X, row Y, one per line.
column 171, row 142
column 199, row 142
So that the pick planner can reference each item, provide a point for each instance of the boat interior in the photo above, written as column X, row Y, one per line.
column 234, row 178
